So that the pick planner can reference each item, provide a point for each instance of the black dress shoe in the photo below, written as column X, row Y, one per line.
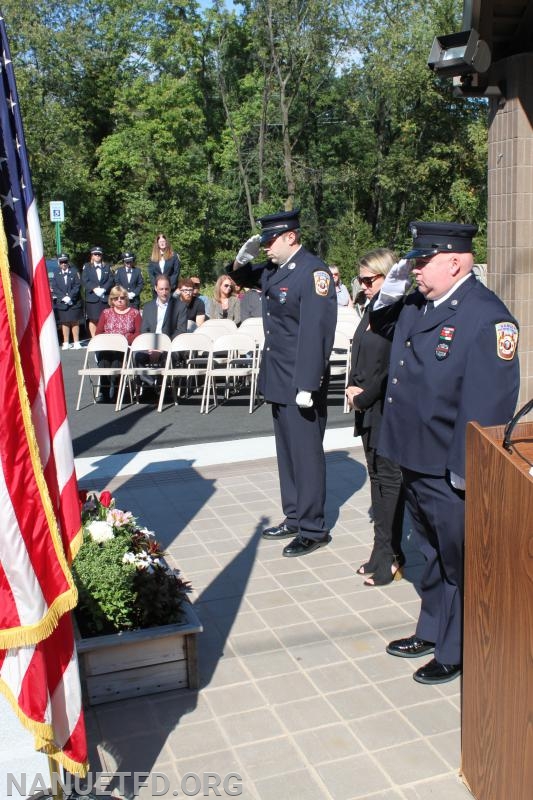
column 281, row 531
column 412, row 647
column 435, row 672
column 301, row 546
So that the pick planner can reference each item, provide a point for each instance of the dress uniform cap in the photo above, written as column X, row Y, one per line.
column 62, row 258
column 97, row 251
column 275, row 224
column 430, row 238
column 128, row 256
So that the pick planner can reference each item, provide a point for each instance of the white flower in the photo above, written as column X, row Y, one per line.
column 128, row 558
column 146, row 533
column 100, row 531
column 119, row 518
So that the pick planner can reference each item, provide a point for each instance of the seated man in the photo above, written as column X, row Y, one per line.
column 251, row 303
column 195, row 306
column 197, row 287
column 165, row 314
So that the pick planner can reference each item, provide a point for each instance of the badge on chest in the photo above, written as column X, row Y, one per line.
column 446, row 335
column 283, row 294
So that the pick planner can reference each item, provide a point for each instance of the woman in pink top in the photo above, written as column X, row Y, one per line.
column 120, row 317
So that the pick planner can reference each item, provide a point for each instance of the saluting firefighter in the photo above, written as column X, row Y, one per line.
column 299, row 316
column 453, row 360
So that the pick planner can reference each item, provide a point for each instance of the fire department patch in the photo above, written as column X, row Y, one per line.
column 322, row 281
column 506, row 340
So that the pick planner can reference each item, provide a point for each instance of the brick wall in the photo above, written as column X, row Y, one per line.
column 510, row 209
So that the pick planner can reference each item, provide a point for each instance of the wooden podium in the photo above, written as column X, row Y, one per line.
column 497, row 714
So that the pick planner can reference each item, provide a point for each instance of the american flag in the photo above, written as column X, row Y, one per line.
column 40, row 526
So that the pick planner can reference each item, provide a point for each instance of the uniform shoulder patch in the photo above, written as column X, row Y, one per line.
column 322, row 281
column 506, row 340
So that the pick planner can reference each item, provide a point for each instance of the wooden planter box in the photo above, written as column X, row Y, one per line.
column 135, row 663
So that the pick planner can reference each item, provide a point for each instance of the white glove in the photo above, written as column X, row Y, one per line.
column 249, row 250
column 131, row 295
column 304, row 399
column 99, row 291
column 66, row 299
column 395, row 284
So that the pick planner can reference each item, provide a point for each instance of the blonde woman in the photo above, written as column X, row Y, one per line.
column 365, row 392
column 163, row 261
column 225, row 303
column 122, row 318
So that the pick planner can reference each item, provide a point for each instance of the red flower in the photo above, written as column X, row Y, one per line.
column 106, row 499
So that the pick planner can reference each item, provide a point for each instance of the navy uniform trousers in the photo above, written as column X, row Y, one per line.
column 299, row 433
column 438, row 513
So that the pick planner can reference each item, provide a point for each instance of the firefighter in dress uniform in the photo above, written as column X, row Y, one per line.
column 453, row 360
column 299, row 316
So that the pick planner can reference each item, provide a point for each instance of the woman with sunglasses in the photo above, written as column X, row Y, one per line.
column 122, row 318
column 225, row 303
column 365, row 392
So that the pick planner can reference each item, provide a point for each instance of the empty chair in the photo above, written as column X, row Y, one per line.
column 234, row 358
column 187, row 358
column 347, row 325
column 133, row 370
column 217, row 327
column 339, row 361
column 103, row 342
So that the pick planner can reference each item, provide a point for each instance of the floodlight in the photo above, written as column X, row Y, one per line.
column 459, row 54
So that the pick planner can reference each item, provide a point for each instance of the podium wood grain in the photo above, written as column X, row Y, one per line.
column 497, row 712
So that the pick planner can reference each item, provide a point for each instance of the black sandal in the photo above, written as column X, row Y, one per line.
column 385, row 575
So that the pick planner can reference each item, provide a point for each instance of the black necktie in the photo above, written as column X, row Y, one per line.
column 430, row 305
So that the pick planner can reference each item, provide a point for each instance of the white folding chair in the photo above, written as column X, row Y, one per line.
column 234, row 358
column 340, row 361
column 103, row 342
column 142, row 343
column 347, row 326
column 192, row 352
column 217, row 327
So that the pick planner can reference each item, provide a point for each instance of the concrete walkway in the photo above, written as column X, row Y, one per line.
column 297, row 693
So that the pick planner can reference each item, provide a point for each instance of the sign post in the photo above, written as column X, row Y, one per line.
column 57, row 216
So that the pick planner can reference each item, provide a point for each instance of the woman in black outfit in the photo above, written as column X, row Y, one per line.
column 163, row 261
column 365, row 392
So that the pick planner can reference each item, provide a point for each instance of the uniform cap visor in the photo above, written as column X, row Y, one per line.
column 422, row 252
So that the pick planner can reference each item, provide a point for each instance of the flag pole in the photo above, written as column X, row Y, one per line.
column 55, row 785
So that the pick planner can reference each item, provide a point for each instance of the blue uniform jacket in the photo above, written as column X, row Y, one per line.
column 70, row 288
column 135, row 284
column 452, row 365
column 299, row 316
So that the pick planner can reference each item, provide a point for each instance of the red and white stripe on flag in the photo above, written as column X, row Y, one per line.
column 40, row 526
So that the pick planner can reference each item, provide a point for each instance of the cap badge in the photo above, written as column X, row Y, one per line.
column 322, row 281
column 506, row 340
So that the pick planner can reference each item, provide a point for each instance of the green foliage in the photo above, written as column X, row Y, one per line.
column 195, row 121
column 123, row 581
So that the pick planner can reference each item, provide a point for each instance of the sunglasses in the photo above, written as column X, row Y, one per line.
column 227, row 286
column 368, row 281
column 120, row 297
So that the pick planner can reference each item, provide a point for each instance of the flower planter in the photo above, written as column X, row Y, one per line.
column 135, row 663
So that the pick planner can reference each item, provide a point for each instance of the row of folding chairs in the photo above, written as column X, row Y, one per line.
column 189, row 358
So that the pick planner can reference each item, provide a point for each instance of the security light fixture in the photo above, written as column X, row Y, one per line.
column 461, row 53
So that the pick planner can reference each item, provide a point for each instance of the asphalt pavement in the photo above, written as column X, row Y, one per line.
column 97, row 429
